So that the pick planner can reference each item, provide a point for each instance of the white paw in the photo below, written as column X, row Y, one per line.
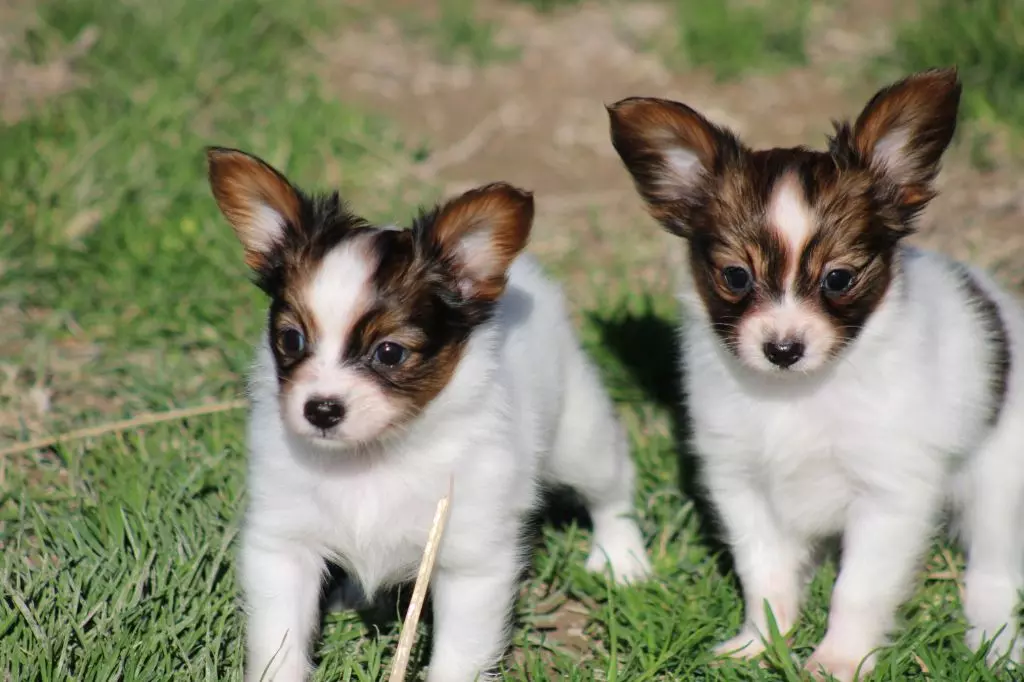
column 746, row 645
column 831, row 662
column 1005, row 643
column 620, row 548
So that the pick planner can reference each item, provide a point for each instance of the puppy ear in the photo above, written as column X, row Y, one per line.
column 905, row 128
column 478, row 235
column 670, row 150
column 258, row 201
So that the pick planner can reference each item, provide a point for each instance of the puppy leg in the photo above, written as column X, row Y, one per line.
column 472, row 609
column 281, row 583
column 883, row 544
column 591, row 455
column 995, row 547
column 770, row 562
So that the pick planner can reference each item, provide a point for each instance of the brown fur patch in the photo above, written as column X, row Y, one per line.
column 242, row 184
column 481, row 232
column 644, row 128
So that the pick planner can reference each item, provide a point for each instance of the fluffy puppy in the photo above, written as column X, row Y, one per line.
column 394, row 360
column 840, row 381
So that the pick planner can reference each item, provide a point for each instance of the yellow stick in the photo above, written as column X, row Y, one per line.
column 419, row 592
column 146, row 419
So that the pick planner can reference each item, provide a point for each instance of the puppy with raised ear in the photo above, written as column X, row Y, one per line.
column 839, row 380
column 392, row 361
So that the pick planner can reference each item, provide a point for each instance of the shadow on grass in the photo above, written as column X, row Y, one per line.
column 644, row 343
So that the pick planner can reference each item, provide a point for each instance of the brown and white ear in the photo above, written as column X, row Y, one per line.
column 669, row 149
column 479, row 234
column 257, row 200
column 905, row 128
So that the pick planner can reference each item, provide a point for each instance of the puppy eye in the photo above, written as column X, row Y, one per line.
column 737, row 278
column 390, row 354
column 838, row 281
column 292, row 342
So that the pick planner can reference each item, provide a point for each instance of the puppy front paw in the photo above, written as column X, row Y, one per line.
column 620, row 548
column 1004, row 645
column 744, row 646
column 830, row 662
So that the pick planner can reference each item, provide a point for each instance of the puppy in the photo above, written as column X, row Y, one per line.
column 839, row 380
column 394, row 360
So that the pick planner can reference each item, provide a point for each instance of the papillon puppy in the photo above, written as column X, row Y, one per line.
column 840, row 381
column 393, row 362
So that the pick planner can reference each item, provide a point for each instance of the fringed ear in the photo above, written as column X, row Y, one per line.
column 904, row 130
column 478, row 235
column 669, row 149
column 257, row 200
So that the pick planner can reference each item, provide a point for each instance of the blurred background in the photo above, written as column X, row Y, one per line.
column 123, row 293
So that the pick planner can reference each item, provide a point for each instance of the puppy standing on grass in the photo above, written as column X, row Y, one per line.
column 393, row 360
column 840, row 381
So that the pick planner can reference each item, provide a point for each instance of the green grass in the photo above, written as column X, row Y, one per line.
column 733, row 38
column 984, row 39
column 118, row 553
column 549, row 5
column 458, row 33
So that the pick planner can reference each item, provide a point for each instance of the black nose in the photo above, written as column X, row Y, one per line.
column 323, row 413
column 784, row 353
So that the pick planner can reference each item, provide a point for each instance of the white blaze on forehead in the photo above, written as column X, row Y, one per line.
column 791, row 216
column 339, row 293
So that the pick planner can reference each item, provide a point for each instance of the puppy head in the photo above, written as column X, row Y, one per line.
column 791, row 249
column 367, row 325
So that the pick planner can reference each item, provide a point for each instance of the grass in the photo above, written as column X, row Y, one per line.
column 460, row 34
column 732, row 37
column 118, row 553
column 549, row 5
column 984, row 40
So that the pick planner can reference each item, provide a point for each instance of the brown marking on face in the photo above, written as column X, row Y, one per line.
column 415, row 302
column 290, row 307
column 864, row 194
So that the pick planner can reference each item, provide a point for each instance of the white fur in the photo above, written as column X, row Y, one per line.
column 873, row 446
column 524, row 407
column 793, row 218
column 894, row 155
column 684, row 164
column 265, row 229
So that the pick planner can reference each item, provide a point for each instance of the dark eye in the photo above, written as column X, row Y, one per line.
column 390, row 354
column 292, row 342
column 838, row 281
column 737, row 278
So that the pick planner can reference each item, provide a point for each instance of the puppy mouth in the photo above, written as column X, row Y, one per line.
column 325, row 439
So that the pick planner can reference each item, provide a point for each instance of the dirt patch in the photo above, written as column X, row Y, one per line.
column 25, row 84
column 538, row 121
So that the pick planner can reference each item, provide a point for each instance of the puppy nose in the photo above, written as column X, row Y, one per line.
column 323, row 413
column 783, row 353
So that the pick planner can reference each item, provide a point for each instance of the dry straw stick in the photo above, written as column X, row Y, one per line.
column 147, row 419
column 419, row 592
